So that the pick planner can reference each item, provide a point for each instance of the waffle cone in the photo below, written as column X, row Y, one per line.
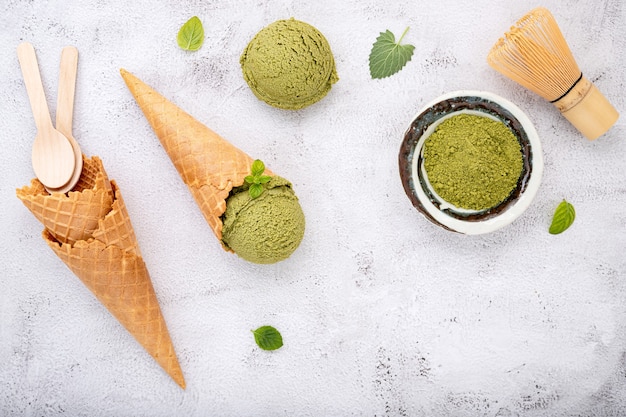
column 73, row 217
column 90, row 230
column 209, row 165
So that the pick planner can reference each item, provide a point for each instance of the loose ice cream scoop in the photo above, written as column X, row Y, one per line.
column 289, row 65
column 266, row 229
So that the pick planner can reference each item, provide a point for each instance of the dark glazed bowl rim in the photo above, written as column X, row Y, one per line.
column 416, row 185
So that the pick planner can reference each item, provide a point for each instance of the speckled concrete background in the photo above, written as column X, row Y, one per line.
column 382, row 312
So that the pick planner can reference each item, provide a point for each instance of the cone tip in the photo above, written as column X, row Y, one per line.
column 125, row 74
column 176, row 374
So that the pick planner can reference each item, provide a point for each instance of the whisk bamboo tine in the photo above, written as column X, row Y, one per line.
column 534, row 54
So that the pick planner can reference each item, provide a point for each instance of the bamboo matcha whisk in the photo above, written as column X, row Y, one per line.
column 534, row 53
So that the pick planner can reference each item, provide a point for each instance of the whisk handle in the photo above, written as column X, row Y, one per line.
column 587, row 109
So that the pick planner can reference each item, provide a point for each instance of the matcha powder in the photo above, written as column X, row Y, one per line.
column 473, row 162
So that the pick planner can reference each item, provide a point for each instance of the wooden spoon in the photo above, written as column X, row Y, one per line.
column 52, row 156
column 65, row 111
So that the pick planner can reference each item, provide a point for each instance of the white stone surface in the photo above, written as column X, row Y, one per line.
column 382, row 312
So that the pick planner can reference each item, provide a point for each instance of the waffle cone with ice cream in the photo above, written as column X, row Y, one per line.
column 213, row 169
column 207, row 163
column 90, row 230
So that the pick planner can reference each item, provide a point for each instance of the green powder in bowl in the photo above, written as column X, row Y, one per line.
column 472, row 162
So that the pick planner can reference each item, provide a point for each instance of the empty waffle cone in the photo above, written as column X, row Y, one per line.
column 209, row 165
column 73, row 217
column 90, row 230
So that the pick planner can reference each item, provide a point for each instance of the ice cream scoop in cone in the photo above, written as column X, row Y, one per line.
column 90, row 230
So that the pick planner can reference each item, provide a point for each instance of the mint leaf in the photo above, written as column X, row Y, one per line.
column 388, row 56
column 268, row 338
column 191, row 35
column 563, row 218
column 257, row 179
column 255, row 190
column 257, row 167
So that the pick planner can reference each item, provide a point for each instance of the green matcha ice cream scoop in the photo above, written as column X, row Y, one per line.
column 265, row 229
column 289, row 65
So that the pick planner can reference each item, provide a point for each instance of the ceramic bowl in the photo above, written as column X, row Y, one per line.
column 415, row 180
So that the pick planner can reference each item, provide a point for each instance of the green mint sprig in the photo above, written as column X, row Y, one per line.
column 191, row 35
column 268, row 338
column 256, row 179
column 388, row 56
column 563, row 218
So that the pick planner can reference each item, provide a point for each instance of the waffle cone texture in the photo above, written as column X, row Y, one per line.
column 90, row 230
column 209, row 165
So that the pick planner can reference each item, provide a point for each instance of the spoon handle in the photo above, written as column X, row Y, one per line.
column 34, row 87
column 67, row 87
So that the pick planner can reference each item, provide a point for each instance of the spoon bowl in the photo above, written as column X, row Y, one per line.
column 53, row 159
